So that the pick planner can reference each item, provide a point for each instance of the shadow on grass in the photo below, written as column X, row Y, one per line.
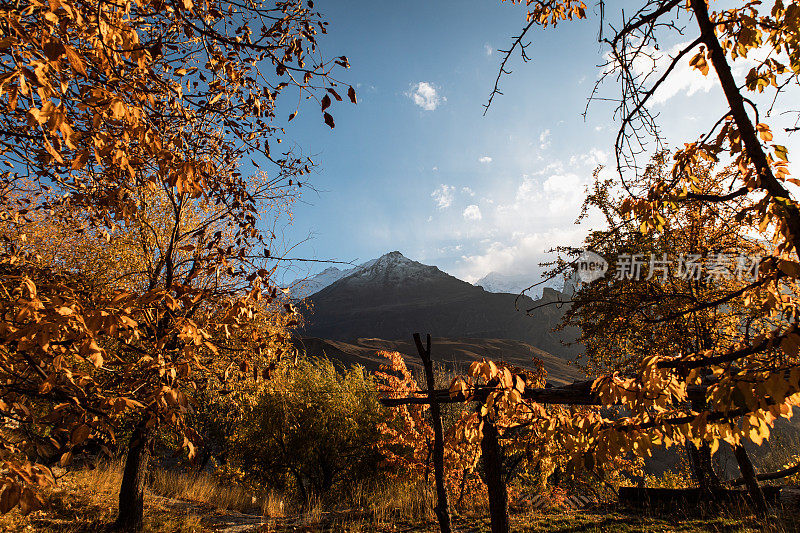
column 629, row 520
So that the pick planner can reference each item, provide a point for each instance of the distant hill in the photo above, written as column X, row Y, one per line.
column 452, row 353
column 496, row 282
column 393, row 297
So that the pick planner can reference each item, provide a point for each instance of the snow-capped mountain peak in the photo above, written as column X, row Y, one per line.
column 304, row 288
column 393, row 267
column 391, row 261
column 497, row 282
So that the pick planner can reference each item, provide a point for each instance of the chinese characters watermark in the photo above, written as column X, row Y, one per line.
column 715, row 266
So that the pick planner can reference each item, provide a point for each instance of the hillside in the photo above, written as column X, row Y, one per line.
column 453, row 353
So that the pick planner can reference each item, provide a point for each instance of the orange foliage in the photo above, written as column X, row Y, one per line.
column 136, row 265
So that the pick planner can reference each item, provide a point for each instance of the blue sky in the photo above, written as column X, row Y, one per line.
column 416, row 167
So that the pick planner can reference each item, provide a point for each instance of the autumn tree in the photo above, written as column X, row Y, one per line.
column 407, row 435
column 754, row 363
column 673, row 291
column 135, row 124
column 648, row 300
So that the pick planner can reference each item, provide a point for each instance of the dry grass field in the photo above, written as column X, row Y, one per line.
column 85, row 501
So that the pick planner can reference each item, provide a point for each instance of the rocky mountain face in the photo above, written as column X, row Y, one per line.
column 496, row 282
column 392, row 297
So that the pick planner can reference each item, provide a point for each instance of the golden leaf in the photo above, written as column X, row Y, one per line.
column 66, row 459
column 75, row 60
column 699, row 62
column 9, row 495
column 79, row 434
column 764, row 132
column 791, row 344
column 29, row 501
column 790, row 268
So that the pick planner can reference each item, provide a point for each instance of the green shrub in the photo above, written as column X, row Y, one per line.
column 312, row 429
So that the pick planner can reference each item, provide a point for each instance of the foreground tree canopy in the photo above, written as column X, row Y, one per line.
column 137, row 251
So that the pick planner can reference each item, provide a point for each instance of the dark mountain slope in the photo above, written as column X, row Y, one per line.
column 393, row 297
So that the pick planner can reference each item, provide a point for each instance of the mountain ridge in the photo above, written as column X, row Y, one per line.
column 492, row 282
column 497, row 282
column 395, row 296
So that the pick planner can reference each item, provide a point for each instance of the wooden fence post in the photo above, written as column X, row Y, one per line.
column 493, row 466
column 442, row 506
column 750, row 480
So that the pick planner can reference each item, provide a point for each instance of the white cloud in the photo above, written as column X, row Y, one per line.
column 549, row 200
column 443, row 196
column 488, row 49
column 592, row 159
column 518, row 226
column 485, row 159
column 544, row 139
column 448, row 249
column 552, row 167
column 472, row 212
column 426, row 96
column 510, row 227
column 685, row 79
column 520, row 255
column 565, row 193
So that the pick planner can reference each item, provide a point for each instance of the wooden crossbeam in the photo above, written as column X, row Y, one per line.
column 578, row 393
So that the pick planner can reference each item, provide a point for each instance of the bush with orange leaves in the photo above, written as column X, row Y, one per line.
column 407, row 443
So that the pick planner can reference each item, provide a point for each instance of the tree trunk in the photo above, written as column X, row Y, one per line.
column 708, row 467
column 205, row 458
column 747, row 132
column 442, row 504
column 134, row 478
column 700, row 459
column 460, row 502
column 749, row 475
column 702, row 469
column 301, row 486
column 492, row 463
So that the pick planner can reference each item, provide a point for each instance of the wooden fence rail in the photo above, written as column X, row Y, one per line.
column 578, row 393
